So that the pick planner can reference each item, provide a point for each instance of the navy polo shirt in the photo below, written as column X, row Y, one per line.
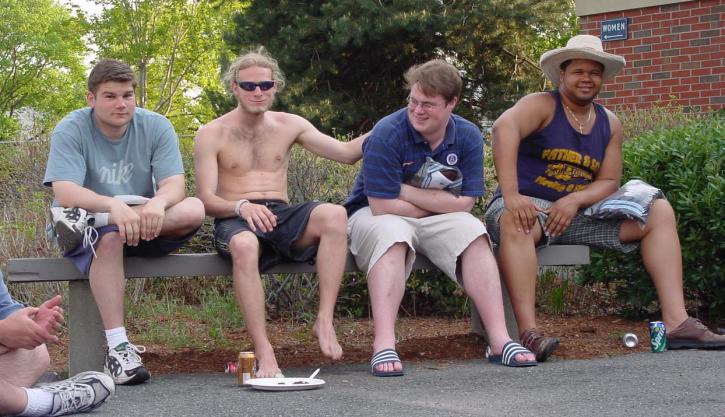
column 395, row 151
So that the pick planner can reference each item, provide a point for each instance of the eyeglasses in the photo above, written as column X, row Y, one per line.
column 251, row 86
column 425, row 105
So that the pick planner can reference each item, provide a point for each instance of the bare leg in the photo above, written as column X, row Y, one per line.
column 13, row 399
column 107, row 279
column 517, row 259
column 183, row 217
column 106, row 274
column 244, row 248
column 328, row 226
column 22, row 367
column 662, row 257
column 482, row 283
column 386, row 284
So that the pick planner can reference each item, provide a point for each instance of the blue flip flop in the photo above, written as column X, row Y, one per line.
column 385, row 356
column 508, row 355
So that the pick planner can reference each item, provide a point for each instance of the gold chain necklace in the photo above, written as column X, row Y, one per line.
column 581, row 126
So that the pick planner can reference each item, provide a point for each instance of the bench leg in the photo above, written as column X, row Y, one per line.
column 86, row 330
column 513, row 329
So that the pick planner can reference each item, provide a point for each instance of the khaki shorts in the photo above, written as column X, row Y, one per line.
column 440, row 238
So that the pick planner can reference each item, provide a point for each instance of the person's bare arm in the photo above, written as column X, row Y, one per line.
column 527, row 116
column 170, row 191
column 605, row 183
column 328, row 147
column 70, row 194
column 207, row 179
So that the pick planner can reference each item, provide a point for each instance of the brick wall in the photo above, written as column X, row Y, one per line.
column 675, row 55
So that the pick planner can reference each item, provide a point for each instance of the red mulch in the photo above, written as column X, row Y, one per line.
column 420, row 338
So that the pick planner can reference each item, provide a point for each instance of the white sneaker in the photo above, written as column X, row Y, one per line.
column 73, row 226
column 79, row 394
column 124, row 365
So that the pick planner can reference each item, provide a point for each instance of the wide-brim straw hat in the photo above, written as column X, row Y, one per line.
column 581, row 47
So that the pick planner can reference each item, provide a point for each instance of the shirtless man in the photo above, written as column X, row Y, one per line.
column 241, row 161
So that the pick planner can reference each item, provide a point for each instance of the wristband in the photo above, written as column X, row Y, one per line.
column 238, row 207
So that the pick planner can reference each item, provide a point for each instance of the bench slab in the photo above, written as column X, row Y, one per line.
column 85, row 327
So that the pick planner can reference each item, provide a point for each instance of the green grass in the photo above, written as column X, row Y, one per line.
column 168, row 320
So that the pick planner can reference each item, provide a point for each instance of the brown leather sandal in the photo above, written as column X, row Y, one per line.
column 542, row 346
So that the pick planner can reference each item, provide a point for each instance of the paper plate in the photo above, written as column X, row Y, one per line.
column 285, row 384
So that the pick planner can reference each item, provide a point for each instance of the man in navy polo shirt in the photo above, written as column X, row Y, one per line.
column 394, row 214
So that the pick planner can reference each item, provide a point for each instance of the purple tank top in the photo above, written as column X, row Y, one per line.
column 558, row 160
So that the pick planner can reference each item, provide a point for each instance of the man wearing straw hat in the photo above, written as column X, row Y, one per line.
column 556, row 154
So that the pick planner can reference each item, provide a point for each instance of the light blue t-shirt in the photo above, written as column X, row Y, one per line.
column 147, row 152
column 7, row 305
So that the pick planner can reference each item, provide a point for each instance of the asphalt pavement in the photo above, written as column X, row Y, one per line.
column 674, row 383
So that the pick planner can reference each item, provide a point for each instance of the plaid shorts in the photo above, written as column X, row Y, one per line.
column 583, row 230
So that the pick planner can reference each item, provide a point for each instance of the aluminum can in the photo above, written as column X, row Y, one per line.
column 231, row 367
column 630, row 340
column 657, row 336
column 247, row 367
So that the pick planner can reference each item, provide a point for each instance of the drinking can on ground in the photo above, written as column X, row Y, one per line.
column 247, row 367
column 657, row 336
column 630, row 340
column 231, row 367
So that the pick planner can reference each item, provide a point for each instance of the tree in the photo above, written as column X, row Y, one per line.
column 41, row 62
column 497, row 45
column 174, row 45
column 345, row 59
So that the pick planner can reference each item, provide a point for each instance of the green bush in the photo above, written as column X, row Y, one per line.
column 686, row 163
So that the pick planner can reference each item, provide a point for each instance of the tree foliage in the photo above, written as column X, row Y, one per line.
column 173, row 45
column 41, row 62
column 344, row 59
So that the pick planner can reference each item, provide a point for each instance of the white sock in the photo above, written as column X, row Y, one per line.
column 39, row 402
column 101, row 219
column 116, row 336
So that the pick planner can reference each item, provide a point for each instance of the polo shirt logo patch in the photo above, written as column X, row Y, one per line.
column 451, row 159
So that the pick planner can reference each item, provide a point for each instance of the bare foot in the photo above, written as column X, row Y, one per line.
column 266, row 363
column 325, row 334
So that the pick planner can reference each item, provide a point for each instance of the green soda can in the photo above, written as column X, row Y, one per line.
column 657, row 336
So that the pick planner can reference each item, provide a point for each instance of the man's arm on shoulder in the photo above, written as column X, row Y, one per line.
column 206, row 167
column 326, row 146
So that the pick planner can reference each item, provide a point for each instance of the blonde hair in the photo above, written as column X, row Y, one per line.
column 435, row 77
column 258, row 57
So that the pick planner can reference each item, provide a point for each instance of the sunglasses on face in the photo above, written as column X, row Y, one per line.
column 251, row 86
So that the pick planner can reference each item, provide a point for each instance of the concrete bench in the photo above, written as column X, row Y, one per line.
column 84, row 323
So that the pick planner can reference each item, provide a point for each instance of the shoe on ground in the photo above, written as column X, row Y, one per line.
column 542, row 346
column 692, row 334
column 70, row 225
column 124, row 365
column 79, row 394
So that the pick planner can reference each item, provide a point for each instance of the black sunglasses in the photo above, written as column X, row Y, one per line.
column 251, row 86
